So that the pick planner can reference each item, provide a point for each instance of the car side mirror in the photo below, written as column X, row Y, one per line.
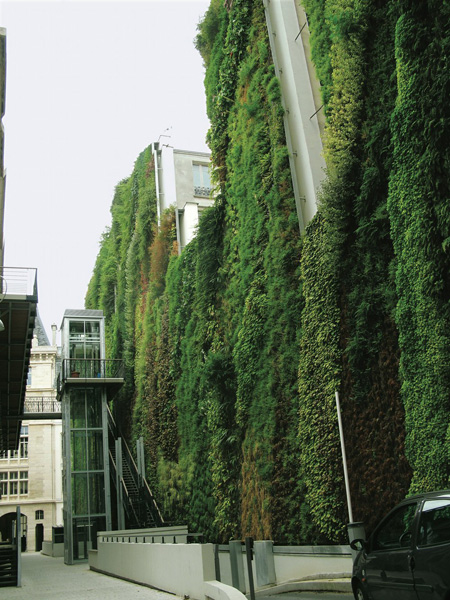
column 358, row 544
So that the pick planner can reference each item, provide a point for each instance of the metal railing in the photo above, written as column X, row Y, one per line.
column 204, row 192
column 90, row 368
column 159, row 535
column 41, row 404
column 18, row 281
column 146, row 498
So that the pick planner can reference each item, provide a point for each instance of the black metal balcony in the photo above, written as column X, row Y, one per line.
column 82, row 371
column 38, row 408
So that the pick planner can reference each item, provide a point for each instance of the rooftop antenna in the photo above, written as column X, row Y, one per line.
column 163, row 134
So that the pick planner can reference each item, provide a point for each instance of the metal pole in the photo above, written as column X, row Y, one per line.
column 138, row 456
column 344, row 460
column 217, row 561
column 249, row 556
column 119, row 480
column 19, row 547
column 140, row 459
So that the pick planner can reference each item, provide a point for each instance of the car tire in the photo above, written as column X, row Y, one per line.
column 359, row 592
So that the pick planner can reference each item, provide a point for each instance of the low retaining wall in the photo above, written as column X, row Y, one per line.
column 190, row 569
column 181, row 569
column 301, row 562
column 273, row 565
column 51, row 549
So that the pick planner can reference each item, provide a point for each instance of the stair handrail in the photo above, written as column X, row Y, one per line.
column 144, row 484
column 128, row 504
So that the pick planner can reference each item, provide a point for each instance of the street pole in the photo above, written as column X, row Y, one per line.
column 344, row 460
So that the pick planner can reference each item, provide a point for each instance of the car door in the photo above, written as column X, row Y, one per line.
column 387, row 563
column 431, row 556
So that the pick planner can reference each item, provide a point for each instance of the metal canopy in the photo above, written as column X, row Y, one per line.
column 18, row 312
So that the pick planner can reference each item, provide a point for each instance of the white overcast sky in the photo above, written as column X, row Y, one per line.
column 89, row 85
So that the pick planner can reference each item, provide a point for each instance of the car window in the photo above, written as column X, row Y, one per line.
column 434, row 525
column 396, row 531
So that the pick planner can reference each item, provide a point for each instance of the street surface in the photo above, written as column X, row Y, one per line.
column 309, row 596
column 45, row 578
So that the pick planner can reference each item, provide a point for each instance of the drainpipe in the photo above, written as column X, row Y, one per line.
column 158, row 180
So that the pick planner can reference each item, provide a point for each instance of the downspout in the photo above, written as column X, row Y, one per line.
column 158, row 180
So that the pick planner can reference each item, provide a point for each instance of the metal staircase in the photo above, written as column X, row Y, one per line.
column 139, row 504
column 8, row 565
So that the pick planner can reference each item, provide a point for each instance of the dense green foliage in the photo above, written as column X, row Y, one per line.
column 419, row 210
column 235, row 348
column 212, row 337
column 384, row 228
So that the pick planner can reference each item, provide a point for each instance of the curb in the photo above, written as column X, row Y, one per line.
column 340, row 585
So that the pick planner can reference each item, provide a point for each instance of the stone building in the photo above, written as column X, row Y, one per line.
column 31, row 476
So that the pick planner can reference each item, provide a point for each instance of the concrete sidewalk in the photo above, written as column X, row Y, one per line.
column 46, row 578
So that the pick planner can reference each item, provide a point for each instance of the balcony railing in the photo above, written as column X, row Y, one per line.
column 90, row 368
column 203, row 192
column 18, row 282
column 41, row 404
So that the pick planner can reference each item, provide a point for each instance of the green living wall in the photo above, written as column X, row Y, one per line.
column 211, row 338
column 380, row 242
column 235, row 348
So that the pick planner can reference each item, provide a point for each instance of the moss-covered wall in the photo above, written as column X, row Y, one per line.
column 235, row 349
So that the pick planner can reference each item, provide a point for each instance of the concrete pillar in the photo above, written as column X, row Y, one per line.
column 264, row 562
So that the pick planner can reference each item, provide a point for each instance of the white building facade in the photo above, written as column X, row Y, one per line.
column 183, row 180
column 31, row 476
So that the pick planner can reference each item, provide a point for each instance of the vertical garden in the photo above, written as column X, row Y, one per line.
column 234, row 349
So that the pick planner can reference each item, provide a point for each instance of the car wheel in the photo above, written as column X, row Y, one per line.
column 359, row 592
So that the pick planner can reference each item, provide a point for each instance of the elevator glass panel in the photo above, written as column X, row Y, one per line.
column 84, row 348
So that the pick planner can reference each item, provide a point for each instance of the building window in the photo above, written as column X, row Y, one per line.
column 202, row 180
column 23, row 444
column 13, row 483
column 30, row 370
column 3, row 484
column 39, row 515
column 23, row 483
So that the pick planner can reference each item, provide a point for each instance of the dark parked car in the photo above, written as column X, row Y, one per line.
column 407, row 557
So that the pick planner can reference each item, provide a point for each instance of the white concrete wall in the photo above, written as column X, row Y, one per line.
column 295, row 563
column 290, row 566
column 188, row 569
column 55, row 550
column 189, row 223
column 177, row 568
